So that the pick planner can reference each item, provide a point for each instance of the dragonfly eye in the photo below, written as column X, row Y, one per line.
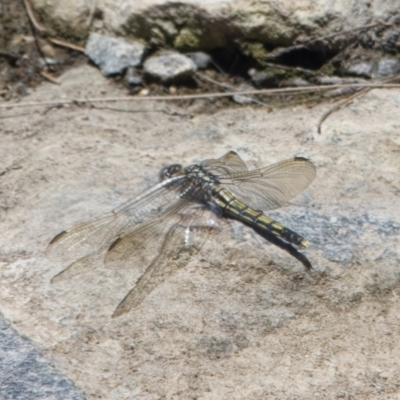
column 170, row 171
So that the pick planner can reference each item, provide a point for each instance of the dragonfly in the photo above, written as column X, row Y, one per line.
column 153, row 228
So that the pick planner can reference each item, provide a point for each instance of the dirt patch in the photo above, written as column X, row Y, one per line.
column 25, row 54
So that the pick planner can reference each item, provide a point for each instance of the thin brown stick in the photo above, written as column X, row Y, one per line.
column 163, row 110
column 50, row 78
column 32, row 17
column 68, row 45
column 214, row 82
column 91, row 13
column 226, row 86
column 349, row 99
column 286, row 68
column 265, row 92
column 35, row 28
column 338, row 105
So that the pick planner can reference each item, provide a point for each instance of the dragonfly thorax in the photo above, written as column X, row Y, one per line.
column 199, row 176
column 198, row 183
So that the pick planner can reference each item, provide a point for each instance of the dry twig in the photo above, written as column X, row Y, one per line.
column 350, row 98
column 32, row 17
column 265, row 92
column 162, row 110
column 68, row 45
column 91, row 13
column 229, row 87
column 50, row 78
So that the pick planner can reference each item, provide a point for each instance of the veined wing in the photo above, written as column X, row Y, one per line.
column 136, row 247
column 269, row 187
column 173, row 251
column 98, row 234
column 229, row 163
column 153, row 275
column 140, row 244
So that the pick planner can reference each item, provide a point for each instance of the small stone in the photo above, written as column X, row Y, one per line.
column 335, row 80
column 360, row 69
column 144, row 92
column 114, row 55
column 21, row 89
column 391, row 40
column 387, row 67
column 294, row 82
column 262, row 79
column 132, row 78
column 169, row 66
column 48, row 51
column 243, row 99
column 201, row 59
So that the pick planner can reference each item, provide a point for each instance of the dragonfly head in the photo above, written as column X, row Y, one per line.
column 170, row 171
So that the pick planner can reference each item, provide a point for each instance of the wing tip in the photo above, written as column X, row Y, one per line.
column 301, row 159
column 57, row 237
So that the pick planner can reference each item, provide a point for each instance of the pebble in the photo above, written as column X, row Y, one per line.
column 387, row 67
column 169, row 66
column 132, row 77
column 363, row 69
column 201, row 59
column 114, row 55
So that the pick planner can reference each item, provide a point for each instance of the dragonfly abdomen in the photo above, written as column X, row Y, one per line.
column 285, row 233
column 257, row 219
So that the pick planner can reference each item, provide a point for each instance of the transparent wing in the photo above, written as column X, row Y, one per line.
column 143, row 242
column 134, row 249
column 154, row 274
column 174, row 251
column 90, row 237
column 270, row 187
column 227, row 164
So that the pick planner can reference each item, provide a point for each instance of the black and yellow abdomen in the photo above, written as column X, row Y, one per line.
column 236, row 209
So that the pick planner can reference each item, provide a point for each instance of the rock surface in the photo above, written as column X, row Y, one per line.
column 241, row 319
column 26, row 375
column 212, row 24
column 285, row 43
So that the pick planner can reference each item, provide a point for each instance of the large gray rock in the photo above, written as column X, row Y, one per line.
column 298, row 35
column 206, row 24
